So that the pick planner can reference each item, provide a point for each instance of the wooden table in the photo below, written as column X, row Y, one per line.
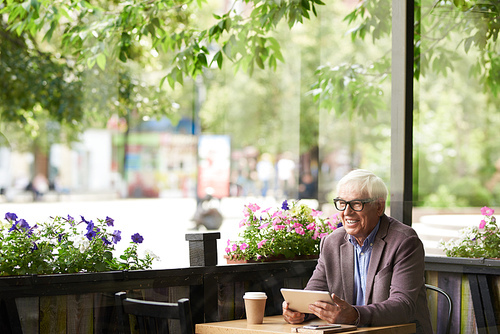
column 276, row 325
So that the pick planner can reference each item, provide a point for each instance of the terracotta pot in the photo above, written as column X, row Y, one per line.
column 280, row 257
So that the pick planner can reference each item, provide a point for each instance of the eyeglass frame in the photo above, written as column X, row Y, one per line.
column 348, row 203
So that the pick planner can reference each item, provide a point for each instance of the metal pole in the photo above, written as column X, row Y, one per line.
column 402, row 110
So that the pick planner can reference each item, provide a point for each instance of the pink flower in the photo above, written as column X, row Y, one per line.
column 253, row 207
column 234, row 247
column 322, row 235
column 245, row 212
column 485, row 211
column 259, row 245
column 265, row 210
column 482, row 224
column 228, row 242
column 242, row 223
column 311, row 226
column 263, row 226
column 300, row 230
column 316, row 213
column 228, row 250
column 243, row 246
column 279, row 227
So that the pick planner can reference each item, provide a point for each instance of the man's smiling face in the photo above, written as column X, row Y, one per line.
column 359, row 224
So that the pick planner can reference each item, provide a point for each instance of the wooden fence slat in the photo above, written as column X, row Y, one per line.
column 467, row 319
column 477, row 303
column 29, row 313
column 226, row 301
column 80, row 314
column 239, row 303
column 452, row 284
column 105, row 319
column 53, row 315
column 495, row 291
column 431, row 277
column 489, row 313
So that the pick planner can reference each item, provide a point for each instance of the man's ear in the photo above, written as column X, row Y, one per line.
column 380, row 207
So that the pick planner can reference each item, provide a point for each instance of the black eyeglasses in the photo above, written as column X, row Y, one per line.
column 355, row 204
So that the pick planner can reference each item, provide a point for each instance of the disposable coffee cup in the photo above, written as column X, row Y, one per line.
column 255, row 305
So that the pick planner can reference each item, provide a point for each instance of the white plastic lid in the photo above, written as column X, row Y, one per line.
column 255, row 295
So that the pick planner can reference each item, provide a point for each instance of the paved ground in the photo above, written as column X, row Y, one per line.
column 165, row 222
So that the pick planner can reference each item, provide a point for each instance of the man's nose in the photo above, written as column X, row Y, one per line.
column 348, row 208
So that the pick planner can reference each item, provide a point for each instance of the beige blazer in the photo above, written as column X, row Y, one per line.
column 395, row 284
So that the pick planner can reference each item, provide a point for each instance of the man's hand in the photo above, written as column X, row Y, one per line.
column 292, row 317
column 340, row 312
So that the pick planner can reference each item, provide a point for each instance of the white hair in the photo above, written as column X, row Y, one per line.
column 366, row 182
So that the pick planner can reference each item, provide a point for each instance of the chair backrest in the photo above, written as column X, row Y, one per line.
column 152, row 316
column 446, row 320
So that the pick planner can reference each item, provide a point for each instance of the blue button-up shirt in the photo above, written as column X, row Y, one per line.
column 362, row 256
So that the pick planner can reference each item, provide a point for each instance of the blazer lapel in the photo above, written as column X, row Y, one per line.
column 376, row 257
column 347, row 270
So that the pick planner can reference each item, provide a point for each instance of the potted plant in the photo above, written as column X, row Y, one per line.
column 65, row 245
column 292, row 231
column 481, row 241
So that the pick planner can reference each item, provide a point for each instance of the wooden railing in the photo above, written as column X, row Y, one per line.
column 474, row 287
column 83, row 302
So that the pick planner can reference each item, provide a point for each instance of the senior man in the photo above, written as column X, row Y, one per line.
column 373, row 266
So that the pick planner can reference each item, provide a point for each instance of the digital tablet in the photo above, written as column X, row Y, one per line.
column 299, row 300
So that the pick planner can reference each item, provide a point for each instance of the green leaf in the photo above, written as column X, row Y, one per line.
column 468, row 43
column 101, row 61
column 91, row 62
column 202, row 58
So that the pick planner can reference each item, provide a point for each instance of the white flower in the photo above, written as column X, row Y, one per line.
column 4, row 225
column 149, row 253
column 80, row 241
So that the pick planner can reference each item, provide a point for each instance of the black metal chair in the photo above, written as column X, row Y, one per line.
column 152, row 316
column 450, row 306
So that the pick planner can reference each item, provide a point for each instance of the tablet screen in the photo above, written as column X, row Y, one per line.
column 299, row 300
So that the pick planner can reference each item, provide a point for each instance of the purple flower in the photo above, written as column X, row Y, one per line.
column 117, row 236
column 59, row 237
column 137, row 238
column 90, row 235
column 23, row 225
column 109, row 221
column 285, row 206
column 11, row 216
column 90, row 226
column 13, row 227
column 71, row 220
column 84, row 220
column 106, row 241
column 34, row 248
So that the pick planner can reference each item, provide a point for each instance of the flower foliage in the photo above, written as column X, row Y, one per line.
column 65, row 245
column 476, row 241
column 289, row 231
